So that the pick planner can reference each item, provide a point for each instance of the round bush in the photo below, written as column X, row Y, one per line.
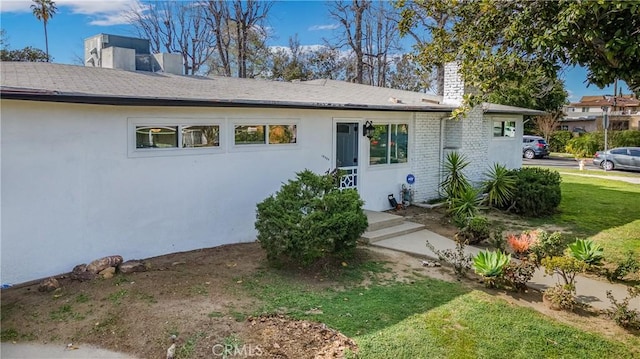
column 310, row 218
column 537, row 192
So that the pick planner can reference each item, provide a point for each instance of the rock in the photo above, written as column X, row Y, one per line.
column 108, row 272
column 49, row 285
column 104, row 263
column 80, row 273
column 132, row 266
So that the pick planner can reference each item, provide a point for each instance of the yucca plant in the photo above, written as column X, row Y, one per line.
column 499, row 185
column 490, row 265
column 455, row 182
column 587, row 250
column 465, row 206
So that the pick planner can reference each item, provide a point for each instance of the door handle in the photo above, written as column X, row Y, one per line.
column 355, row 160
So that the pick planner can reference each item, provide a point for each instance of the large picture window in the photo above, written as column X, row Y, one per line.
column 504, row 129
column 389, row 144
column 178, row 136
column 265, row 134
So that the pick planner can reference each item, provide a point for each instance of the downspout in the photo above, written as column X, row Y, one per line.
column 441, row 151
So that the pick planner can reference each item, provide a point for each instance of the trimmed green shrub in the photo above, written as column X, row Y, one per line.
column 558, row 141
column 310, row 218
column 537, row 192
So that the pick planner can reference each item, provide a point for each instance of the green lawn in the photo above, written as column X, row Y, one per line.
column 590, row 171
column 607, row 211
column 428, row 318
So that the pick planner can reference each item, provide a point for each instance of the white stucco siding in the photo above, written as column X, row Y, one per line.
column 71, row 193
column 505, row 150
column 73, row 188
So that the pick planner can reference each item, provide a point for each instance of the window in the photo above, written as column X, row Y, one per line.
column 564, row 127
column 200, row 136
column 156, row 136
column 585, row 109
column 389, row 144
column 149, row 137
column 504, row 129
column 265, row 134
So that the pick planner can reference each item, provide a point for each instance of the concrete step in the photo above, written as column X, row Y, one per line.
column 390, row 232
column 381, row 220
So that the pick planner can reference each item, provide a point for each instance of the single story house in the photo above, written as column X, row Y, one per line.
column 101, row 161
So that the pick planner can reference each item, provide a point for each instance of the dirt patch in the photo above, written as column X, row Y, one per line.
column 198, row 297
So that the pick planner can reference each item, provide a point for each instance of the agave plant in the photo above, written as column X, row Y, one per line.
column 499, row 185
column 490, row 264
column 587, row 251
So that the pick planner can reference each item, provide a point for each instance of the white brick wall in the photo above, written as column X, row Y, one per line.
column 426, row 155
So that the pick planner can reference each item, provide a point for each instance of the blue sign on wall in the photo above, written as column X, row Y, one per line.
column 411, row 178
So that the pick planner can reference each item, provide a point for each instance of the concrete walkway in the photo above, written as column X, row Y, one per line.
column 55, row 351
column 589, row 291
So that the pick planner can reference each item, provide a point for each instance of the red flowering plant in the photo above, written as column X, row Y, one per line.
column 521, row 244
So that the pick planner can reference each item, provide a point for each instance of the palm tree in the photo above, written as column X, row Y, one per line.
column 44, row 10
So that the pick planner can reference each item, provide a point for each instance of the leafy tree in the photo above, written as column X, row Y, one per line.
column 289, row 64
column 44, row 10
column 28, row 54
column 326, row 63
column 498, row 40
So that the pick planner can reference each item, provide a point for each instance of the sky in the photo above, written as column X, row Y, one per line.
column 76, row 20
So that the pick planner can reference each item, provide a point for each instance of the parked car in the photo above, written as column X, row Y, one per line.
column 534, row 146
column 627, row 158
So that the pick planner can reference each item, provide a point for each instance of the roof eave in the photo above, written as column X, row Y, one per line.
column 50, row 96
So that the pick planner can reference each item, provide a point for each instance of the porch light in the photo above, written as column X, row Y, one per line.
column 368, row 129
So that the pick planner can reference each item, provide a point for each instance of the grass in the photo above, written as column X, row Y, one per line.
column 429, row 318
column 606, row 211
column 64, row 313
column 590, row 171
column 476, row 325
column 116, row 297
column 187, row 349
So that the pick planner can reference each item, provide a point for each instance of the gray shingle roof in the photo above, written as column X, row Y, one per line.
column 88, row 84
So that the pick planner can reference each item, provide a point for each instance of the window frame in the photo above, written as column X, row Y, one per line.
column 233, row 146
column 389, row 124
column 503, row 127
column 180, row 123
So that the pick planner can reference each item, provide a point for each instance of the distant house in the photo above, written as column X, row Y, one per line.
column 587, row 114
column 99, row 161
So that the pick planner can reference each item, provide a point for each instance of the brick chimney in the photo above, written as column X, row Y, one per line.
column 453, row 84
